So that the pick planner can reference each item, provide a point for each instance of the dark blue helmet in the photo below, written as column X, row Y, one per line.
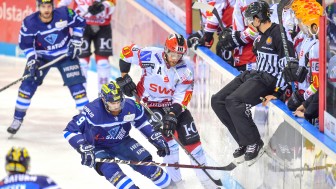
column 39, row 2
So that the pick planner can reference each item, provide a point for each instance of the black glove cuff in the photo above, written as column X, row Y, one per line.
column 176, row 109
column 208, row 36
column 124, row 66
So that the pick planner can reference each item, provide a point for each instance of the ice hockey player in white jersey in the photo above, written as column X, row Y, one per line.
column 102, row 131
column 166, row 86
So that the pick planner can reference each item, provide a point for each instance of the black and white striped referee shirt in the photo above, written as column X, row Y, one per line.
column 271, row 55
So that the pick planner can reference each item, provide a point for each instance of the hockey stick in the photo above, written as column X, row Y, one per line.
column 203, row 6
column 152, row 163
column 281, row 6
column 28, row 75
column 217, row 182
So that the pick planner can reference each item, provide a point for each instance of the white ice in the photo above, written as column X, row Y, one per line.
column 41, row 133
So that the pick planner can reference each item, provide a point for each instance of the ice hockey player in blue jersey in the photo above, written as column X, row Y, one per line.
column 17, row 166
column 102, row 129
column 44, row 36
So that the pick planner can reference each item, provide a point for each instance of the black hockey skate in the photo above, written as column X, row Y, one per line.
column 15, row 126
column 238, row 154
column 254, row 152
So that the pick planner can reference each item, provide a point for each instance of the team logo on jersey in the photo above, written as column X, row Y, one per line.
column 61, row 24
column 51, row 38
column 269, row 40
column 114, row 131
column 145, row 55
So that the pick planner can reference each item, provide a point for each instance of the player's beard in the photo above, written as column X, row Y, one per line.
column 46, row 16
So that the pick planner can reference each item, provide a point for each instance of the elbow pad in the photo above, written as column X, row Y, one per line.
column 124, row 66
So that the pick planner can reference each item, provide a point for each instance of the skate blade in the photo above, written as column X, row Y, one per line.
column 251, row 162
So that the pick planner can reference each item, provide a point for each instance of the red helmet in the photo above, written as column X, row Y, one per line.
column 176, row 43
column 175, row 48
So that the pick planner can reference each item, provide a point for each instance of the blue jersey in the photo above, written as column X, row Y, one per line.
column 102, row 129
column 49, row 40
column 27, row 181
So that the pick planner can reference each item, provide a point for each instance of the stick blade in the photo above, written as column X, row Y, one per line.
column 202, row 6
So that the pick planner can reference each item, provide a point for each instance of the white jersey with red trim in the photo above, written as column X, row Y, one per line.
column 288, row 19
column 244, row 54
column 224, row 9
column 81, row 8
column 304, row 46
column 313, row 67
column 160, row 86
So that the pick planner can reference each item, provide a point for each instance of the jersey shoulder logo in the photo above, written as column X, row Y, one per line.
column 145, row 55
column 51, row 38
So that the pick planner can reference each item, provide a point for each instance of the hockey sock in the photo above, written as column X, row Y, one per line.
column 79, row 94
column 103, row 70
column 174, row 173
column 199, row 155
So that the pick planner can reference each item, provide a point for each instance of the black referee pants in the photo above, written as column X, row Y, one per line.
column 233, row 103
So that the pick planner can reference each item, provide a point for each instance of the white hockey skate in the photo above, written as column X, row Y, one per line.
column 14, row 127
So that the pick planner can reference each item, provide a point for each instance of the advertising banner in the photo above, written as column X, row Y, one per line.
column 11, row 15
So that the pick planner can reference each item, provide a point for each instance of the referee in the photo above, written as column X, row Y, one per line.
column 233, row 103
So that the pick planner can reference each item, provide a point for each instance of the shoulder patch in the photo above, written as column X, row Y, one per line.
column 70, row 12
column 145, row 55
column 137, row 105
column 126, row 52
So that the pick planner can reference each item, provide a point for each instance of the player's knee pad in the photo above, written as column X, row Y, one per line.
column 187, row 131
column 84, row 65
column 114, row 175
column 103, row 71
column 79, row 94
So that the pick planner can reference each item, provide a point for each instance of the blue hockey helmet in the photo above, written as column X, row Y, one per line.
column 39, row 2
column 112, row 97
column 17, row 160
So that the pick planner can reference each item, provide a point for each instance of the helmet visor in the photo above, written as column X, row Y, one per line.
column 174, row 56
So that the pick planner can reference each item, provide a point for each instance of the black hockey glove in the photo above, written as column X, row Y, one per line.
column 169, row 124
column 32, row 66
column 295, row 101
column 207, row 39
column 194, row 38
column 96, row 7
column 294, row 72
column 75, row 47
column 229, row 39
column 126, row 84
column 160, row 144
column 87, row 154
